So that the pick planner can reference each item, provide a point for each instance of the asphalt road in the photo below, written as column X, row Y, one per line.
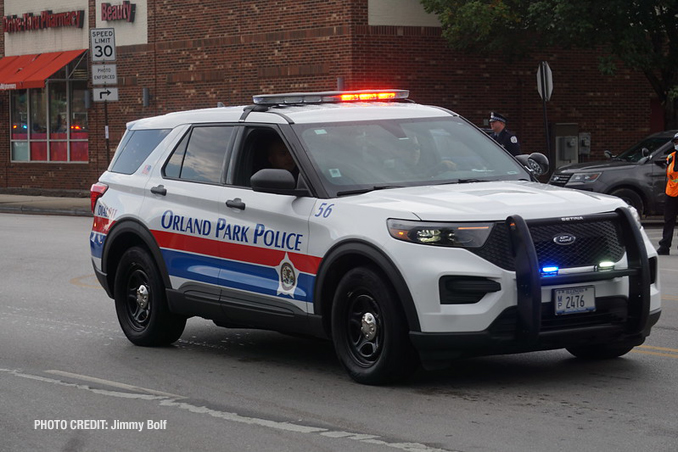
column 70, row 381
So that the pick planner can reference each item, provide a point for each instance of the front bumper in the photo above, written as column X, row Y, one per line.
column 437, row 349
column 531, row 324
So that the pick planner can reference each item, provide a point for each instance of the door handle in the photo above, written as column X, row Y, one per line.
column 235, row 204
column 159, row 190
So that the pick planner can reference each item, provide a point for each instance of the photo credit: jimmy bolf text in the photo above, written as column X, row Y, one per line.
column 98, row 424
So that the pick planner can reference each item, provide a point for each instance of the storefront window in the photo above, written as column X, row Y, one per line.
column 79, row 124
column 19, row 124
column 38, row 124
column 50, row 124
column 58, row 119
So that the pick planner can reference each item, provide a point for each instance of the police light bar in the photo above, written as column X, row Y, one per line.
column 331, row 96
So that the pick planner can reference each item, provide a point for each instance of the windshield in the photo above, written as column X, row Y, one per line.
column 367, row 155
column 635, row 152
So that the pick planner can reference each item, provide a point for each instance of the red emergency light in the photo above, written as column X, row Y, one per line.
column 332, row 97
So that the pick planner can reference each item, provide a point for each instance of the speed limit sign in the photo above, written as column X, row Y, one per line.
column 103, row 44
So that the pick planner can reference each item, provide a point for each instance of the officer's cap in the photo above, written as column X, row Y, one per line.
column 497, row 117
column 675, row 137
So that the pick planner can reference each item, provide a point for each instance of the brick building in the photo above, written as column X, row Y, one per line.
column 182, row 54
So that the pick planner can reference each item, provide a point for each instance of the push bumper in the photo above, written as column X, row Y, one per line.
column 529, row 326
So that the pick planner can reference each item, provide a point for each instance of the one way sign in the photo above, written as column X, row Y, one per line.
column 105, row 94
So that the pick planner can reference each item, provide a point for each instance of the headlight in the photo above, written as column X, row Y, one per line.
column 584, row 178
column 460, row 235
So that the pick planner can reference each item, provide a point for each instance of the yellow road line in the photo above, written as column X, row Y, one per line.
column 667, row 355
column 647, row 350
column 675, row 350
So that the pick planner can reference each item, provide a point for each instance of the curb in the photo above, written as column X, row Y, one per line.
column 45, row 211
column 40, row 205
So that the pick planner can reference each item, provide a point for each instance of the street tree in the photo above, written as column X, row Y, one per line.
column 640, row 34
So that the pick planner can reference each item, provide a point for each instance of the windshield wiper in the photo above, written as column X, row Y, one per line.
column 359, row 191
column 466, row 181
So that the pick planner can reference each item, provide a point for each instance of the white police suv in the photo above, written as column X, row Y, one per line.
column 400, row 231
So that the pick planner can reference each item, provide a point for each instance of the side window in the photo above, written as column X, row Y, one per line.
column 199, row 157
column 134, row 148
column 173, row 166
column 262, row 148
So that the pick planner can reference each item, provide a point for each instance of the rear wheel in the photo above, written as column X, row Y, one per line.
column 141, row 303
column 600, row 351
column 631, row 198
column 369, row 329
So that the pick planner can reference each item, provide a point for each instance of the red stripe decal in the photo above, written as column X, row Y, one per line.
column 102, row 225
column 235, row 251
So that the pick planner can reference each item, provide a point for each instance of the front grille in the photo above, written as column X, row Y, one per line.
column 560, row 179
column 594, row 241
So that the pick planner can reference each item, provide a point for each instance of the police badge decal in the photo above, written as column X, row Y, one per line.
column 287, row 277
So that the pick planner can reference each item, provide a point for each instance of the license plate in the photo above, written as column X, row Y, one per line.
column 574, row 300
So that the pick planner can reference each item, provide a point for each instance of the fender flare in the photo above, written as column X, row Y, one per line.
column 359, row 252
column 130, row 232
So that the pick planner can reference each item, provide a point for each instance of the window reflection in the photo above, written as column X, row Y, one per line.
column 19, row 124
column 51, row 123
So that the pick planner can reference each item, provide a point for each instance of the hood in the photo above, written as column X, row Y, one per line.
column 595, row 166
column 486, row 201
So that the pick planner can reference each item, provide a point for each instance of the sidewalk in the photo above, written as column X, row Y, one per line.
column 45, row 205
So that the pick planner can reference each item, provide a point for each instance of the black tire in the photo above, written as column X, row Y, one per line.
column 141, row 302
column 600, row 351
column 369, row 329
column 631, row 198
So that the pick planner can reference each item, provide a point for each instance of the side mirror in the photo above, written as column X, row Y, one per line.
column 278, row 181
column 608, row 154
column 536, row 162
column 645, row 152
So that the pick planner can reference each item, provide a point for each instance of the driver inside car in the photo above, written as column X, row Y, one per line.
column 408, row 161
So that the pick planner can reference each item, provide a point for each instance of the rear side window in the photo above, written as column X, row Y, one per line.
column 199, row 157
column 135, row 147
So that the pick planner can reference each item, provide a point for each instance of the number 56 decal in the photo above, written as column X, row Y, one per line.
column 324, row 210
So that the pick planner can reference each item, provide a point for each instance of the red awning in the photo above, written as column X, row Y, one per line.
column 30, row 71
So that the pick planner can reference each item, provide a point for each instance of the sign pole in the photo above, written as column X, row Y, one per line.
column 546, row 127
column 102, row 42
column 544, row 90
column 108, row 143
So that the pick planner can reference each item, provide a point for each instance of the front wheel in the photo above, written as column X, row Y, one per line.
column 600, row 351
column 369, row 329
column 141, row 303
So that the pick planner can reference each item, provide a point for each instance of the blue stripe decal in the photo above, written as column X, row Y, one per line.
column 190, row 266
column 96, row 244
column 234, row 274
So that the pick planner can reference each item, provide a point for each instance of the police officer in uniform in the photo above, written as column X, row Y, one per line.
column 671, row 200
column 502, row 135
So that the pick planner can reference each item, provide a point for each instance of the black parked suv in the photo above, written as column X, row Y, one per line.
column 637, row 175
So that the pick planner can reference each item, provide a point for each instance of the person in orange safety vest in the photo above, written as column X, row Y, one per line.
column 671, row 203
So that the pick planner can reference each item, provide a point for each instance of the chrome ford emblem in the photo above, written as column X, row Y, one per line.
column 564, row 239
